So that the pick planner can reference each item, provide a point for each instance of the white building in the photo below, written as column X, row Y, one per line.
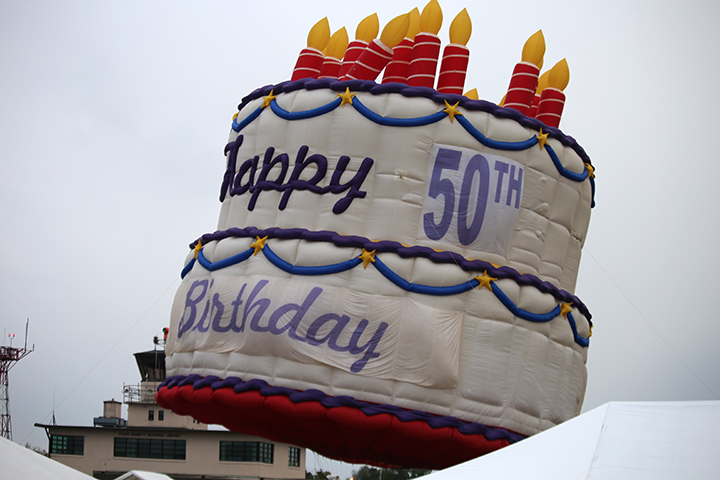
column 154, row 439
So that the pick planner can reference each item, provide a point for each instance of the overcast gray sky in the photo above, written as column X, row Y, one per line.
column 113, row 119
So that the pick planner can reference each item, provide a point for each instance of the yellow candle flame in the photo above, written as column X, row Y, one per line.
column 461, row 28
column 534, row 49
column 368, row 29
column 338, row 44
column 472, row 94
column 559, row 75
column 395, row 30
column 414, row 27
column 431, row 18
column 319, row 35
column 542, row 83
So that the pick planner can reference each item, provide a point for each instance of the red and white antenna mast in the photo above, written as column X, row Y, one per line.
column 9, row 356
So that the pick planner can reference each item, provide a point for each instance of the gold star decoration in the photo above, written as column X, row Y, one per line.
column 346, row 97
column 267, row 100
column 198, row 247
column 367, row 257
column 485, row 280
column 451, row 110
column 565, row 309
column 235, row 116
column 591, row 170
column 542, row 139
column 590, row 334
column 258, row 244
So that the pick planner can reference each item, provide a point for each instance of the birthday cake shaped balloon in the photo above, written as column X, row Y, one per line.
column 391, row 281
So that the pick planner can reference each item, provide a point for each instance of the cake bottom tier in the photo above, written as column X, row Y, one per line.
column 337, row 427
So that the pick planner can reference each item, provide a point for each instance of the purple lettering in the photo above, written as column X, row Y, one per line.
column 446, row 159
column 295, row 183
column 249, row 165
column 369, row 347
column 515, row 185
column 201, row 323
column 217, row 307
column 300, row 311
column 327, row 328
column 188, row 318
column 354, row 184
column 261, row 305
column 263, row 183
column 233, row 147
column 341, row 322
column 467, row 234
column 242, row 181
column 502, row 169
column 232, row 325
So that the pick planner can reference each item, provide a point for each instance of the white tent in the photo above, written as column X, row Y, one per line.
column 143, row 475
column 619, row 440
column 18, row 462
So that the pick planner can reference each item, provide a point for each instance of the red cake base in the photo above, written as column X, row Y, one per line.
column 340, row 432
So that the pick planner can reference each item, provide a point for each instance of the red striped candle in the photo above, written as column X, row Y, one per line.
column 398, row 68
column 551, row 106
column 308, row 64
column 523, row 84
column 534, row 106
column 543, row 83
column 424, row 60
column 330, row 68
column 354, row 49
column 453, row 69
column 370, row 62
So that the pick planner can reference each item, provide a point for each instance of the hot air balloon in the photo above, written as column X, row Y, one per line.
column 392, row 277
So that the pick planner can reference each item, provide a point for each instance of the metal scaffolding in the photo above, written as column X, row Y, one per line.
column 9, row 356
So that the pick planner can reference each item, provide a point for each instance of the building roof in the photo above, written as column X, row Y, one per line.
column 130, row 427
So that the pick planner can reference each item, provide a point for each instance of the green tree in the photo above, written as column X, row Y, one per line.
column 318, row 475
column 35, row 449
column 371, row 473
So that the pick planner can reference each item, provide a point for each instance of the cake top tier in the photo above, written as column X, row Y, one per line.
column 369, row 155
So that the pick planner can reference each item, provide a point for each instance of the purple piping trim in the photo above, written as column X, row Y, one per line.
column 369, row 409
column 388, row 246
column 429, row 93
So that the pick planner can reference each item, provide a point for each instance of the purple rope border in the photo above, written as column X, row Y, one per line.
column 369, row 409
column 388, row 246
column 429, row 93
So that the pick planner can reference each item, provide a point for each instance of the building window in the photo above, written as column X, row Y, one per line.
column 67, row 444
column 246, row 452
column 149, row 448
column 294, row 457
column 151, row 415
column 161, row 415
